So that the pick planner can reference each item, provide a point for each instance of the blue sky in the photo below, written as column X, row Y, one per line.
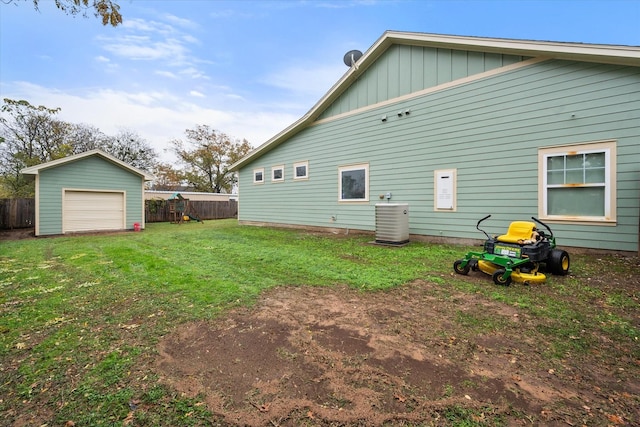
column 246, row 68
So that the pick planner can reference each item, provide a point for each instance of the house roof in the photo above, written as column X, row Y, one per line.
column 608, row 54
column 35, row 170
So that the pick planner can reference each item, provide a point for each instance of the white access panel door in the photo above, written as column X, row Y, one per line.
column 93, row 210
column 444, row 189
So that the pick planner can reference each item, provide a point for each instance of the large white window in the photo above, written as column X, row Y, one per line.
column 354, row 183
column 578, row 182
column 301, row 170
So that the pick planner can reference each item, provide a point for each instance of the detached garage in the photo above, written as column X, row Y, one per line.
column 92, row 191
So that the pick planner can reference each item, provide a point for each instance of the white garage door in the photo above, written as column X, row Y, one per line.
column 93, row 210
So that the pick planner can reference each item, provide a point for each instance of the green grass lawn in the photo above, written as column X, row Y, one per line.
column 81, row 316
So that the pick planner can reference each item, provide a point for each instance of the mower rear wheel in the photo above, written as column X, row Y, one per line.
column 559, row 262
column 457, row 267
column 499, row 280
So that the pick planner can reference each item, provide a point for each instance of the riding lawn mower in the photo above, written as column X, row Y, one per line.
column 520, row 255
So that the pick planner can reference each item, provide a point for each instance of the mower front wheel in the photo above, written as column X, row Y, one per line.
column 498, row 278
column 457, row 267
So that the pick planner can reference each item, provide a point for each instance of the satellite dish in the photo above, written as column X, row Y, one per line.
column 351, row 57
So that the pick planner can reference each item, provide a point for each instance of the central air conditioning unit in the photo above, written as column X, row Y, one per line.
column 392, row 223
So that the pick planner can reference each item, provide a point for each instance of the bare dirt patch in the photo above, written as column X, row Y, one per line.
column 336, row 356
column 17, row 234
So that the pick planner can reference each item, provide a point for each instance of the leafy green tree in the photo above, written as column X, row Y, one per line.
column 30, row 135
column 207, row 155
column 167, row 178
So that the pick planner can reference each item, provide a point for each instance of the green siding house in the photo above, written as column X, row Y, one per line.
column 92, row 191
column 459, row 128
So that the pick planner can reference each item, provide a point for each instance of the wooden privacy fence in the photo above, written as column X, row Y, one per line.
column 21, row 213
column 17, row 213
column 158, row 210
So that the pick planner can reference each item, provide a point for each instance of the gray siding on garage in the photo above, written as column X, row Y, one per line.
column 489, row 130
column 89, row 173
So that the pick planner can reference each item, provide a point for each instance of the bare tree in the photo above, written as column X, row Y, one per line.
column 83, row 137
column 131, row 148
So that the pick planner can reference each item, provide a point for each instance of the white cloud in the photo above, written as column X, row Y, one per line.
column 158, row 117
column 152, row 41
column 143, row 48
column 190, row 39
column 182, row 22
column 296, row 79
column 235, row 97
column 224, row 14
column 168, row 74
column 106, row 64
column 136, row 24
column 193, row 73
column 196, row 94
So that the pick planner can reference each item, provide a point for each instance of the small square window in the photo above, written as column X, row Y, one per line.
column 258, row 176
column 301, row 170
column 277, row 173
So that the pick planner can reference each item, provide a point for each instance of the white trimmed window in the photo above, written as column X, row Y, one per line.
column 354, row 183
column 277, row 173
column 258, row 176
column 578, row 182
column 301, row 170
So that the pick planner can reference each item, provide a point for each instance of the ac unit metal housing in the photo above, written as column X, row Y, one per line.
column 392, row 223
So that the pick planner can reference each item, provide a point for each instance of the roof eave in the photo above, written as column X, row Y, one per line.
column 35, row 170
column 611, row 54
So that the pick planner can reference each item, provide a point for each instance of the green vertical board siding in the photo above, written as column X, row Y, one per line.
column 489, row 130
column 444, row 66
column 476, row 63
column 406, row 69
column 393, row 77
column 459, row 65
column 417, row 77
column 430, row 65
column 90, row 173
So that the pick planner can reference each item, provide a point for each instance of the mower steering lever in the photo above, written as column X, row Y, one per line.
column 479, row 229
column 545, row 226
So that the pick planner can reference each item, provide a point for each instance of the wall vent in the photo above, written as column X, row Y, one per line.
column 392, row 223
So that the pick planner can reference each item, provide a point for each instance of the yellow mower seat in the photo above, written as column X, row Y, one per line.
column 518, row 232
